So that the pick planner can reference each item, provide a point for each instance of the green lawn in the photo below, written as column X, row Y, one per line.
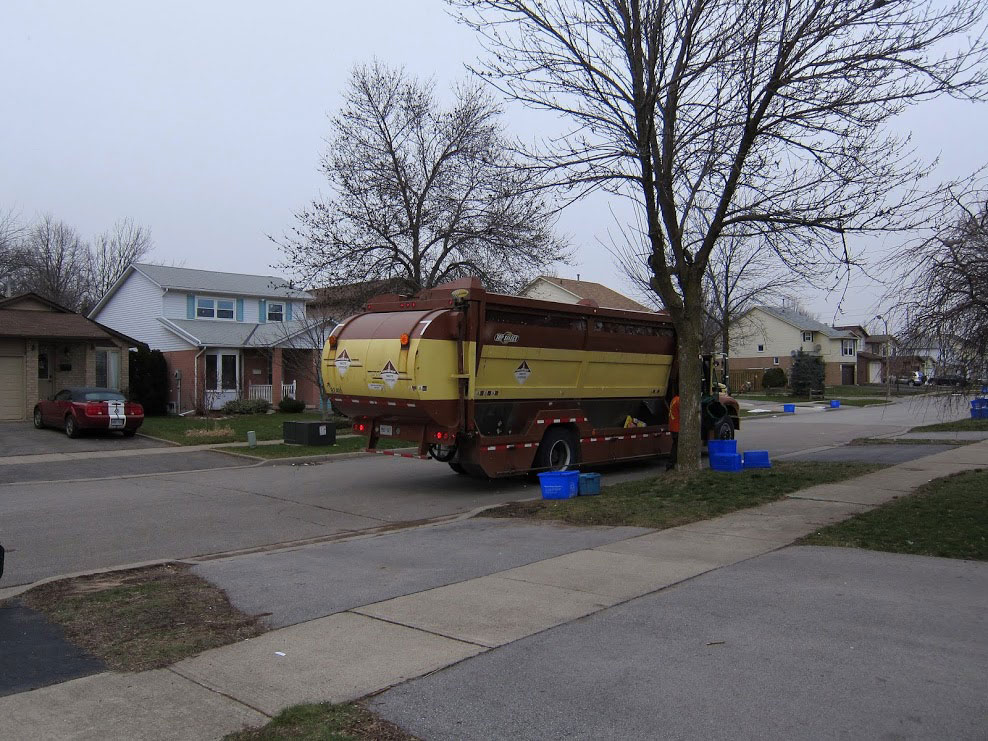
column 177, row 429
column 324, row 722
column 676, row 499
column 947, row 517
column 975, row 425
column 343, row 445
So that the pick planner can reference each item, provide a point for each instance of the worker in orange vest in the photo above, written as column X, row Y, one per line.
column 674, row 429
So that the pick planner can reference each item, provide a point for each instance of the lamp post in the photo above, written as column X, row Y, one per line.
column 888, row 357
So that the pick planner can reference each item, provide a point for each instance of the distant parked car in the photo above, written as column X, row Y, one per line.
column 953, row 379
column 77, row 410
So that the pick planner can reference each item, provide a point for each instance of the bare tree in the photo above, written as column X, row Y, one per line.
column 421, row 194
column 111, row 253
column 945, row 292
column 53, row 262
column 11, row 233
column 741, row 119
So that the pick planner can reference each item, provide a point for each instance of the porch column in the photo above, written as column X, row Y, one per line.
column 276, row 376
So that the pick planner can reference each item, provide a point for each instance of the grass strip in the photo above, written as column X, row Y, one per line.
column 961, row 425
column 324, row 722
column 948, row 517
column 143, row 618
column 908, row 441
column 677, row 499
column 198, row 430
column 343, row 445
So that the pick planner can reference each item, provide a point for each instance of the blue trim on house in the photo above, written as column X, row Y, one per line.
column 262, row 311
column 190, row 306
column 240, row 309
column 288, row 311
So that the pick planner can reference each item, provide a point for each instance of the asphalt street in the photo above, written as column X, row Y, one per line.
column 301, row 584
column 53, row 528
column 803, row 643
column 97, row 468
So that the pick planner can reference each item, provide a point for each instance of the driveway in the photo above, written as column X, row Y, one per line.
column 803, row 643
column 20, row 438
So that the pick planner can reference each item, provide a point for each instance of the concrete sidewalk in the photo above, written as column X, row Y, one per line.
column 368, row 648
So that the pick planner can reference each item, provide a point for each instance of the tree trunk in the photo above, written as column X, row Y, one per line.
column 689, row 336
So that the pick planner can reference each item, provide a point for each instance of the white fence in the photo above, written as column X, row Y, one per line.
column 265, row 391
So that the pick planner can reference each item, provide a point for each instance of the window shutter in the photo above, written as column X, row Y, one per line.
column 190, row 306
column 262, row 310
column 240, row 309
column 288, row 311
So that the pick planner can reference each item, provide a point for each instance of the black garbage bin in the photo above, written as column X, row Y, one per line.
column 309, row 433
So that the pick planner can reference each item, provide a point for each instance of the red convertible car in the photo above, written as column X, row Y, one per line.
column 81, row 409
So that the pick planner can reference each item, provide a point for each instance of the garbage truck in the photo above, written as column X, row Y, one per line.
column 498, row 385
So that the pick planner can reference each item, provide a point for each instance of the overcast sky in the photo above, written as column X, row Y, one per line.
column 204, row 121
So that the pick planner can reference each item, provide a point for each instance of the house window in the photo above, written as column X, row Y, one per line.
column 775, row 360
column 215, row 308
column 847, row 347
column 761, row 348
column 807, row 337
column 108, row 368
column 276, row 312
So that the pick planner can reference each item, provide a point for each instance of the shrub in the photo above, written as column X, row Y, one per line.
column 291, row 406
column 774, row 378
column 148, row 382
column 807, row 374
column 246, row 406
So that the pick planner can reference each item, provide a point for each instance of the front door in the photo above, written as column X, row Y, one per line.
column 847, row 375
column 222, row 377
column 46, row 370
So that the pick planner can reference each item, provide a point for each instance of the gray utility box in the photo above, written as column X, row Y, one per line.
column 309, row 433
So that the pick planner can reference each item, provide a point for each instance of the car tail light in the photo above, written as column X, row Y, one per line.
column 95, row 409
column 133, row 409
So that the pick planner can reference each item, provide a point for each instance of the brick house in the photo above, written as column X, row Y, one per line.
column 45, row 347
column 224, row 335
column 768, row 336
column 570, row 291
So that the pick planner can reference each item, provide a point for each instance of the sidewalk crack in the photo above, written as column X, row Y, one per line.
column 215, row 691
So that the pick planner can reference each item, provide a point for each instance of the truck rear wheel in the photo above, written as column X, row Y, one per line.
column 558, row 451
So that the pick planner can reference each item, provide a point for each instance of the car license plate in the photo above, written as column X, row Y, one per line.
column 117, row 422
column 385, row 430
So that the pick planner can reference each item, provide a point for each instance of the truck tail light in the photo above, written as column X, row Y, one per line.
column 95, row 409
column 333, row 339
column 360, row 427
column 442, row 437
column 404, row 340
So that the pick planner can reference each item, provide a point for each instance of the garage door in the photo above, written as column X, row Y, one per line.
column 11, row 387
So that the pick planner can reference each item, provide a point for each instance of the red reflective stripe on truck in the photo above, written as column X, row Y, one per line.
column 397, row 455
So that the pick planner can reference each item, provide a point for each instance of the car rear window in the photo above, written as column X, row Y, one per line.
column 102, row 396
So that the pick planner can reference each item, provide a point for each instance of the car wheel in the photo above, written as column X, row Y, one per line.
column 38, row 422
column 71, row 426
column 558, row 451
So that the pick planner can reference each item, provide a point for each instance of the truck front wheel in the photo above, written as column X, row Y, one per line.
column 723, row 429
column 559, row 450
